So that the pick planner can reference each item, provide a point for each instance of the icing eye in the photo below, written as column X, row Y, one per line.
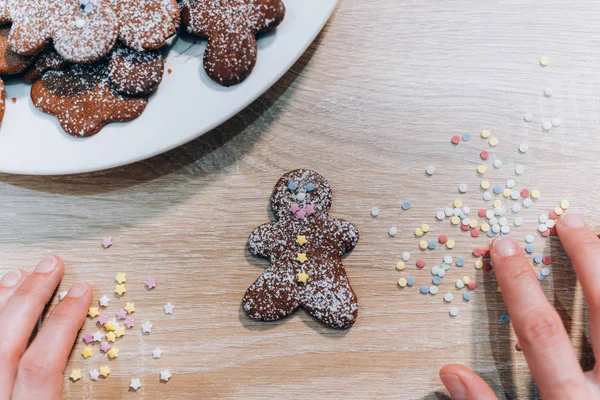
column 300, row 196
column 292, row 186
column 310, row 187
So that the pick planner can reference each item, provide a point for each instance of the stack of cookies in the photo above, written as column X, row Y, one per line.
column 92, row 62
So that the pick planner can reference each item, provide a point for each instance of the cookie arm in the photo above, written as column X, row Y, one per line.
column 346, row 235
column 260, row 241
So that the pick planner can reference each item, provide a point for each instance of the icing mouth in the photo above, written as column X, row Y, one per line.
column 302, row 213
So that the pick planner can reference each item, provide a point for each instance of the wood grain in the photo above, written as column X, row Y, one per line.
column 374, row 100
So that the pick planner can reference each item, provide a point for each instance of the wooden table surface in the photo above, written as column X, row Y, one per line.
column 374, row 100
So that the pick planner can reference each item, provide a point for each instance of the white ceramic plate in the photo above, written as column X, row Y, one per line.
column 186, row 105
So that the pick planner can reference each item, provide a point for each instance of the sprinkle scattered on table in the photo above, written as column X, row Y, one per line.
column 87, row 352
column 374, row 213
column 106, row 242
column 147, row 327
column 113, row 352
column 121, row 314
column 169, row 308
column 129, row 322
column 121, row 277
column 94, row 374
column 104, row 300
column 135, row 384
column 105, row 346
column 157, row 352
column 151, row 282
column 165, row 375
column 130, row 308
column 120, row 289
column 75, row 375
column 104, row 371
column 88, row 338
column 93, row 312
column 98, row 336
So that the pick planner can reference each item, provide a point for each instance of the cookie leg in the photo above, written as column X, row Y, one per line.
column 332, row 301
column 272, row 297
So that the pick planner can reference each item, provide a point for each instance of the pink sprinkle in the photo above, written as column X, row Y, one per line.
column 310, row 209
column 547, row 260
column 129, row 321
column 107, row 242
column 102, row 319
column 88, row 338
column 150, row 283
column 481, row 213
column 294, row 208
column 121, row 314
column 300, row 214
column 475, row 232
column 455, row 139
column 105, row 346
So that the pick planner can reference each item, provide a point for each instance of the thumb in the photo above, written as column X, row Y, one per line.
column 464, row 384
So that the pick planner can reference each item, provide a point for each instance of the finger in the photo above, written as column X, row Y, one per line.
column 464, row 384
column 9, row 284
column 40, row 373
column 20, row 316
column 539, row 329
column 583, row 248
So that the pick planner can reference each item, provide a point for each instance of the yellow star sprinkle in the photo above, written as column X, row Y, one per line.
column 93, row 312
column 110, row 337
column 121, row 277
column 87, row 351
column 302, row 277
column 113, row 352
column 76, row 375
column 109, row 326
column 120, row 289
column 119, row 331
column 301, row 258
column 104, row 371
column 130, row 307
column 301, row 240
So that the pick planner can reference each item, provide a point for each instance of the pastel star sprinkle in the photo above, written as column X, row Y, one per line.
column 75, row 375
column 121, row 277
column 147, row 327
column 104, row 371
column 150, row 283
column 113, row 352
column 301, row 240
column 104, row 300
column 169, row 308
column 119, row 331
column 62, row 295
column 87, row 351
column 120, row 289
column 106, row 242
column 165, row 375
column 301, row 258
column 130, row 322
column 121, row 314
column 109, row 326
column 111, row 337
column 98, row 336
column 105, row 346
column 93, row 312
column 103, row 319
column 302, row 277
column 157, row 352
column 135, row 384
column 88, row 338
column 94, row 374
column 130, row 308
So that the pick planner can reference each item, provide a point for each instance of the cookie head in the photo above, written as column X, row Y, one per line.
column 301, row 194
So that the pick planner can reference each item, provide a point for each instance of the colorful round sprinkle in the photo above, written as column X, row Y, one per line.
column 405, row 256
column 455, row 139
column 485, row 133
column 374, row 211
column 448, row 297
column 430, row 170
column 405, row 205
column 400, row 265
column 460, row 262
column 547, row 125
column 392, row 231
column 402, row 282
column 548, row 92
column 484, row 155
column 493, row 141
column 420, row 263
column 466, row 137
column 467, row 296
column 505, row 319
column 528, row 117
column 453, row 311
column 424, row 289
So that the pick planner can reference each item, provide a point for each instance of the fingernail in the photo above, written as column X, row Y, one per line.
column 11, row 279
column 504, row 246
column 457, row 390
column 47, row 264
column 78, row 289
column 572, row 221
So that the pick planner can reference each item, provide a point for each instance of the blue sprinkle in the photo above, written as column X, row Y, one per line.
column 541, row 277
column 529, row 248
column 431, row 245
column 405, row 205
column 292, row 186
column 490, row 233
column 538, row 258
column 437, row 280
column 460, row 262
column 310, row 187
column 505, row 319
column 466, row 137
column 497, row 189
column 410, row 281
column 467, row 296
column 424, row 289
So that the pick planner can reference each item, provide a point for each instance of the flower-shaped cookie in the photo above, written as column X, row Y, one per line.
column 82, row 99
column 230, row 27
column 135, row 73
column 10, row 62
column 47, row 60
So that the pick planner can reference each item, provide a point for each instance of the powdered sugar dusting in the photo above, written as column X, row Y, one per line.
column 135, row 73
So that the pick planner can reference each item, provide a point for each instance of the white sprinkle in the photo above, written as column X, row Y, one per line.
column 528, row 117
column 449, row 211
column 457, row 212
column 515, row 195
column 392, row 231
column 510, row 183
column 440, row 215
column 435, row 270
column 79, row 23
column 442, row 271
column 493, row 221
column 453, row 311
column 496, row 228
column 527, row 202
column 542, row 228
column 448, row 297
column 301, row 196
column 466, row 210
column 548, row 92
column 487, row 196
column 519, row 169
column 445, row 266
column 518, row 221
column 433, row 289
column 497, row 163
column 504, row 229
column 489, row 214
column 542, row 219
column 430, row 170
column 448, row 259
column 460, row 284
column 374, row 211
column 545, row 271
column 556, row 122
column 524, row 148
column 503, row 221
column 550, row 223
column 547, row 125
column 529, row 238
column 516, row 208
column 405, row 256
column 466, row 221
column 462, row 188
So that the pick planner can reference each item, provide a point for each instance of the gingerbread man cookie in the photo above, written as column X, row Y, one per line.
column 82, row 99
column 230, row 27
column 305, row 247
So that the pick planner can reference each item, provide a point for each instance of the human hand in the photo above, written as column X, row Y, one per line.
column 542, row 336
column 37, row 371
